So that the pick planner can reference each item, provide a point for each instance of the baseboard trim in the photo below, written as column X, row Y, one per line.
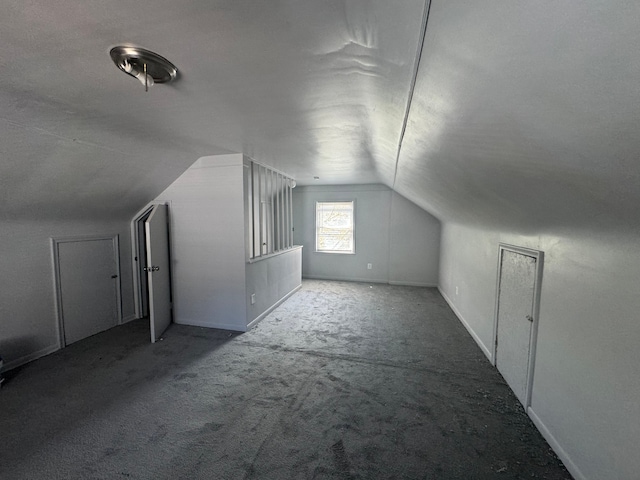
column 260, row 317
column 412, row 284
column 338, row 279
column 551, row 440
column 18, row 362
column 220, row 326
column 400, row 283
column 129, row 318
column 473, row 334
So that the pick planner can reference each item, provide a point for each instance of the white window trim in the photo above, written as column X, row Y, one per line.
column 353, row 227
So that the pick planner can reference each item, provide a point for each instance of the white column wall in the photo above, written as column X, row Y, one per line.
column 207, row 243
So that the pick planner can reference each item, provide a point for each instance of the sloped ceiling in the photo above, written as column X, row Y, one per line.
column 524, row 115
column 527, row 115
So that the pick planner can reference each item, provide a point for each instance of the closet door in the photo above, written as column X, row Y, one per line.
column 88, row 286
column 519, row 283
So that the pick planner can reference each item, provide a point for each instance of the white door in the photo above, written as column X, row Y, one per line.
column 88, row 286
column 158, row 275
column 516, row 301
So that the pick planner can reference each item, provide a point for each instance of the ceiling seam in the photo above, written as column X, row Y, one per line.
column 412, row 87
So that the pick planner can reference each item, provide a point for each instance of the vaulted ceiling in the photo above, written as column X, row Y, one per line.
column 510, row 114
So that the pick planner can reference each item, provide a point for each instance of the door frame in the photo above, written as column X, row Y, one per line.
column 539, row 256
column 135, row 249
column 55, row 242
column 135, row 264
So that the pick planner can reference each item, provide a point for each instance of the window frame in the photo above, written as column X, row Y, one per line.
column 353, row 227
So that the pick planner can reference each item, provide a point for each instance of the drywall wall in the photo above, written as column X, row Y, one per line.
column 207, row 243
column 414, row 249
column 399, row 239
column 587, row 370
column 271, row 279
column 28, row 314
column 212, row 280
column 372, row 205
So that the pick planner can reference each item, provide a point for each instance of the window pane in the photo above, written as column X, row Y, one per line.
column 334, row 227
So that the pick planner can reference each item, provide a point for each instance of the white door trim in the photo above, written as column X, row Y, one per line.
column 135, row 244
column 135, row 249
column 539, row 256
column 55, row 242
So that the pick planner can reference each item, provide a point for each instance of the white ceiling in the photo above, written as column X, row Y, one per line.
column 524, row 115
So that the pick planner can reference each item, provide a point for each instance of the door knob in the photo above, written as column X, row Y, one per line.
column 155, row 269
column 530, row 318
column 114, row 276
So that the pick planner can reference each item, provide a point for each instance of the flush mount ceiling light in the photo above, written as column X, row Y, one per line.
column 148, row 67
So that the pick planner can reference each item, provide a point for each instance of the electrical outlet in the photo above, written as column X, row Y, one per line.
column 253, row 298
column 456, row 289
column 369, row 266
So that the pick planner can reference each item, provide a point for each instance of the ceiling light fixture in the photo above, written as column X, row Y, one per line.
column 148, row 67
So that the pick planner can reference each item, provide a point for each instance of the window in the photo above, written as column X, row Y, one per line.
column 334, row 227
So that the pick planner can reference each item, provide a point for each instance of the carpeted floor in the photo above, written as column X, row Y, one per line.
column 342, row 381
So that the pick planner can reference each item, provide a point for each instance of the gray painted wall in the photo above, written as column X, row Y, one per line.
column 586, row 381
column 414, row 253
column 271, row 279
column 28, row 315
column 399, row 239
column 207, row 243
column 212, row 281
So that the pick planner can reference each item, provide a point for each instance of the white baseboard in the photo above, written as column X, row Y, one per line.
column 344, row 279
column 551, row 440
column 473, row 334
column 18, row 362
column 221, row 326
column 129, row 318
column 412, row 284
column 371, row 280
column 259, row 318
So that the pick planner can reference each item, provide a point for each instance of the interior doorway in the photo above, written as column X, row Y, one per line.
column 516, row 320
column 152, row 270
column 140, row 259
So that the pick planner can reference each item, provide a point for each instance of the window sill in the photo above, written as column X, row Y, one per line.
column 334, row 253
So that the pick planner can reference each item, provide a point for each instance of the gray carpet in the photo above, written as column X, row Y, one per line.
column 343, row 381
